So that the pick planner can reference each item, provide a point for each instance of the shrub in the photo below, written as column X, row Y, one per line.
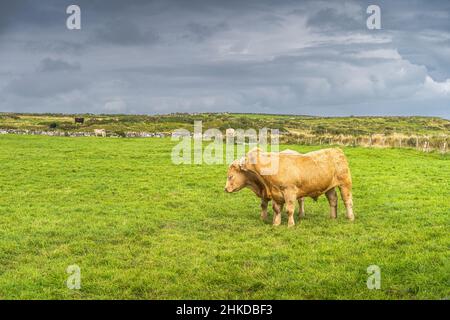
column 53, row 125
column 120, row 133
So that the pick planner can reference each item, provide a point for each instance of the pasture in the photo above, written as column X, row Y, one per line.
column 140, row 227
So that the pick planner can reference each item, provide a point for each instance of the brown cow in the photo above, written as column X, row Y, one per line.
column 297, row 176
column 239, row 179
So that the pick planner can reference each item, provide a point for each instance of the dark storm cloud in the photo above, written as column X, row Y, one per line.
column 309, row 57
column 9, row 10
column 416, row 15
column 44, row 85
column 53, row 46
column 123, row 32
column 200, row 32
column 55, row 65
column 329, row 20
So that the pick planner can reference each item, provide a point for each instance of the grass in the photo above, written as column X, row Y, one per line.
column 140, row 227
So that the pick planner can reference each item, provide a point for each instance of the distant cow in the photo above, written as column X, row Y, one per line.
column 100, row 132
column 298, row 176
column 79, row 120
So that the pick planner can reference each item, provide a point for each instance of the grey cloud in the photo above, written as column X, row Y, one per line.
column 123, row 32
column 200, row 32
column 54, row 46
column 415, row 16
column 53, row 65
column 10, row 10
column 432, row 51
column 52, row 77
column 310, row 57
column 329, row 19
column 43, row 86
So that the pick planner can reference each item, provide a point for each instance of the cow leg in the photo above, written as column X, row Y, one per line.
column 277, row 207
column 290, row 207
column 346, row 194
column 332, row 200
column 264, row 204
column 290, row 199
column 301, row 208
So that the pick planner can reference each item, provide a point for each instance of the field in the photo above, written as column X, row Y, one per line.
column 140, row 227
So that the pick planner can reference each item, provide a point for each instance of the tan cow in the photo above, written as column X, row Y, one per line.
column 241, row 179
column 297, row 176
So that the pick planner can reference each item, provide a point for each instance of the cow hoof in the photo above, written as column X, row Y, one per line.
column 351, row 218
column 291, row 222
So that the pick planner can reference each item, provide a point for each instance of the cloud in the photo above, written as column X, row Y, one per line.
column 43, row 86
column 54, row 46
column 123, row 32
column 115, row 106
column 199, row 32
column 338, row 17
column 389, row 54
column 51, row 77
column 440, row 88
column 55, row 65
column 9, row 10
column 308, row 57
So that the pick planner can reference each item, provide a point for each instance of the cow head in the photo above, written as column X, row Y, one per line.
column 236, row 177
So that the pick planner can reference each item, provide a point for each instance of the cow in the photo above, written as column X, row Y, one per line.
column 242, row 179
column 100, row 132
column 297, row 176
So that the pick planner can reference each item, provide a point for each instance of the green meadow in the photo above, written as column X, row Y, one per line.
column 140, row 227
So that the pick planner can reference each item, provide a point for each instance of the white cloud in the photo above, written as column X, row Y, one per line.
column 378, row 54
column 440, row 88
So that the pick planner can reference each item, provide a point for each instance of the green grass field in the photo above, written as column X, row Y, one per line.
column 140, row 227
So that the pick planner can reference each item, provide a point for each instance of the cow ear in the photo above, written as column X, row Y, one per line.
column 253, row 155
column 242, row 164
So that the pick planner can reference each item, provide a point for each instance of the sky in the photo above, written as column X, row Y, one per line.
column 288, row 57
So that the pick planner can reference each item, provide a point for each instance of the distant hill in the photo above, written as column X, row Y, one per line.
column 354, row 126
